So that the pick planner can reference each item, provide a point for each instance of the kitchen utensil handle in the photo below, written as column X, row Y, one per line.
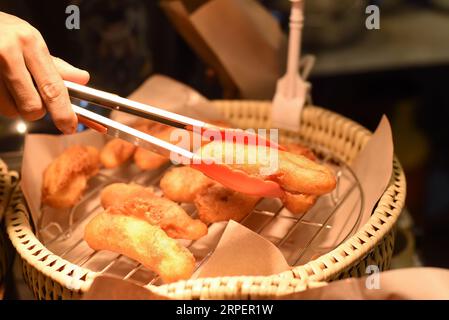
column 294, row 44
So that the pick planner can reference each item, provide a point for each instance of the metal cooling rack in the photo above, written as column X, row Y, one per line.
column 65, row 238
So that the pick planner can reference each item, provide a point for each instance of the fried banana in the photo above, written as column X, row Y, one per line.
column 217, row 203
column 164, row 213
column 141, row 241
column 140, row 202
column 299, row 149
column 182, row 184
column 298, row 203
column 116, row 152
column 146, row 159
column 294, row 173
column 117, row 193
column 66, row 177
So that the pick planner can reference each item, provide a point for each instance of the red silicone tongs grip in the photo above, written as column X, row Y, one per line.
column 236, row 179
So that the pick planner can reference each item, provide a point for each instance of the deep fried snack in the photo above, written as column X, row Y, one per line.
column 66, row 177
column 117, row 193
column 116, row 152
column 299, row 149
column 182, row 184
column 146, row 159
column 294, row 173
column 164, row 213
column 141, row 241
column 217, row 203
column 298, row 203
column 141, row 202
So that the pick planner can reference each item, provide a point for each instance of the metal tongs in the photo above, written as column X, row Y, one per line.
column 234, row 179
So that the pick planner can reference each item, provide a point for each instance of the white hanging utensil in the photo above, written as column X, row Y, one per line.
column 291, row 89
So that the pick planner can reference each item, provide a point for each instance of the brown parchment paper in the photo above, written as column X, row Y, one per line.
column 373, row 168
column 255, row 255
column 238, row 246
column 401, row 284
column 247, row 40
column 114, row 288
column 163, row 92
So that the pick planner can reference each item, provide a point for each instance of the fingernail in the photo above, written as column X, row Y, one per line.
column 68, row 128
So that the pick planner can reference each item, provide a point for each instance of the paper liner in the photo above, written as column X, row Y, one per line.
column 239, row 251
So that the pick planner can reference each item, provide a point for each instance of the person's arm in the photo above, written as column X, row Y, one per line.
column 31, row 79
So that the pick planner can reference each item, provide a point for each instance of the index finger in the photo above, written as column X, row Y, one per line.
column 50, row 85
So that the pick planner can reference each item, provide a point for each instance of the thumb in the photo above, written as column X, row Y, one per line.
column 71, row 73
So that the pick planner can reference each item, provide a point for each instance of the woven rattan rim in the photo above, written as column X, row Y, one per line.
column 8, row 179
column 338, row 134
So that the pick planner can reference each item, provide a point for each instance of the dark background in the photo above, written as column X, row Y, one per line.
column 414, row 96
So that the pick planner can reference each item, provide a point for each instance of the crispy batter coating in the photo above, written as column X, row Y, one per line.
column 299, row 149
column 299, row 174
column 182, row 184
column 294, row 173
column 166, row 214
column 140, row 202
column 117, row 193
column 116, row 152
column 66, row 177
column 217, row 203
column 141, row 241
column 146, row 159
column 298, row 203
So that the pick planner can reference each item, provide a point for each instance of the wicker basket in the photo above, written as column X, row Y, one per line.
column 52, row 277
column 7, row 183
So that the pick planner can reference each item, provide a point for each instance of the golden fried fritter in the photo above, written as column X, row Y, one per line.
column 141, row 202
column 117, row 193
column 294, row 173
column 164, row 213
column 217, row 203
column 116, row 152
column 146, row 159
column 182, row 184
column 298, row 203
column 141, row 241
column 66, row 177
column 299, row 149
column 298, row 174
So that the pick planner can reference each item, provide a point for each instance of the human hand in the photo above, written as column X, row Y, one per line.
column 31, row 80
